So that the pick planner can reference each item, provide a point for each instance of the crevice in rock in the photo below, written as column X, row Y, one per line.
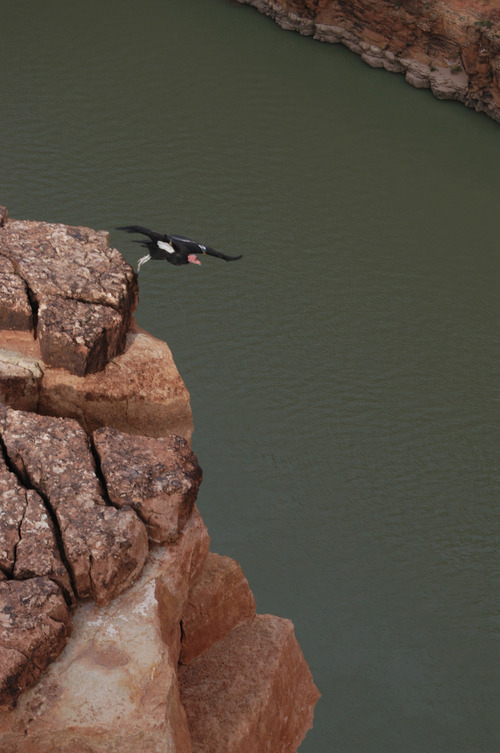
column 25, row 481
column 20, row 534
column 181, row 637
column 100, row 474
column 33, row 302
column 9, row 572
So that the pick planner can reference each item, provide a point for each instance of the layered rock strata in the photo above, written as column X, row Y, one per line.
column 451, row 47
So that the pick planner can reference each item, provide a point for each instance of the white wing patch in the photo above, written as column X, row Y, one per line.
column 165, row 247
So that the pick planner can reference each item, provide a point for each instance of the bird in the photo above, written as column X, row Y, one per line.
column 177, row 249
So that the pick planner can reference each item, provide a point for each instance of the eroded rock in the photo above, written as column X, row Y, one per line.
column 35, row 626
column 219, row 601
column 252, row 691
column 158, row 478
column 71, row 262
column 105, row 548
column 140, row 392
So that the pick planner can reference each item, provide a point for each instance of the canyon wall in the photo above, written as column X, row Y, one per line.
column 451, row 47
column 119, row 629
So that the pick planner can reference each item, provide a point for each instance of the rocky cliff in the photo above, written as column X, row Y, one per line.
column 449, row 46
column 119, row 629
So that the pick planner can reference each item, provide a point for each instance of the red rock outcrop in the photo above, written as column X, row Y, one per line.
column 139, row 391
column 68, row 343
column 451, row 47
column 77, row 502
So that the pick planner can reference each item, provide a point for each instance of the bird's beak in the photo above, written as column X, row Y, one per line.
column 194, row 259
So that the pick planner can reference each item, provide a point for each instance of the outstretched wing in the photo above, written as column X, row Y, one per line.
column 213, row 252
column 144, row 231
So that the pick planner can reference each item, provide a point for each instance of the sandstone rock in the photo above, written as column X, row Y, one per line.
column 84, row 292
column 104, row 548
column 139, row 392
column 34, row 628
column 3, row 216
column 219, row 601
column 15, row 308
column 79, row 337
column 115, row 687
column 252, row 691
column 158, row 478
column 28, row 543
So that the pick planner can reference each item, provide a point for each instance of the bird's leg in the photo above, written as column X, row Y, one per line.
column 142, row 261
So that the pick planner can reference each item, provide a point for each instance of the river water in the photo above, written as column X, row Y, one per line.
column 344, row 374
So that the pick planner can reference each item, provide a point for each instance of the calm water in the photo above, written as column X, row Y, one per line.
column 345, row 373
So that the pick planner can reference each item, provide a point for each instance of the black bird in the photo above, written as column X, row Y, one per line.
column 177, row 249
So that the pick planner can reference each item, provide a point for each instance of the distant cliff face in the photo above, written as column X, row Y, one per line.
column 451, row 47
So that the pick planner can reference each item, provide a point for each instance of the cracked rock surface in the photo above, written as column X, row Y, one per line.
column 158, row 478
column 105, row 548
column 62, row 538
column 67, row 284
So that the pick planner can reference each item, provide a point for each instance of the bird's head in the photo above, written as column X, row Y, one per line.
column 193, row 259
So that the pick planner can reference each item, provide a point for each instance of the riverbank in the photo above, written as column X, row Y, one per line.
column 451, row 48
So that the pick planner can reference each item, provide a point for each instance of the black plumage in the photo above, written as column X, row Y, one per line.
column 177, row 249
